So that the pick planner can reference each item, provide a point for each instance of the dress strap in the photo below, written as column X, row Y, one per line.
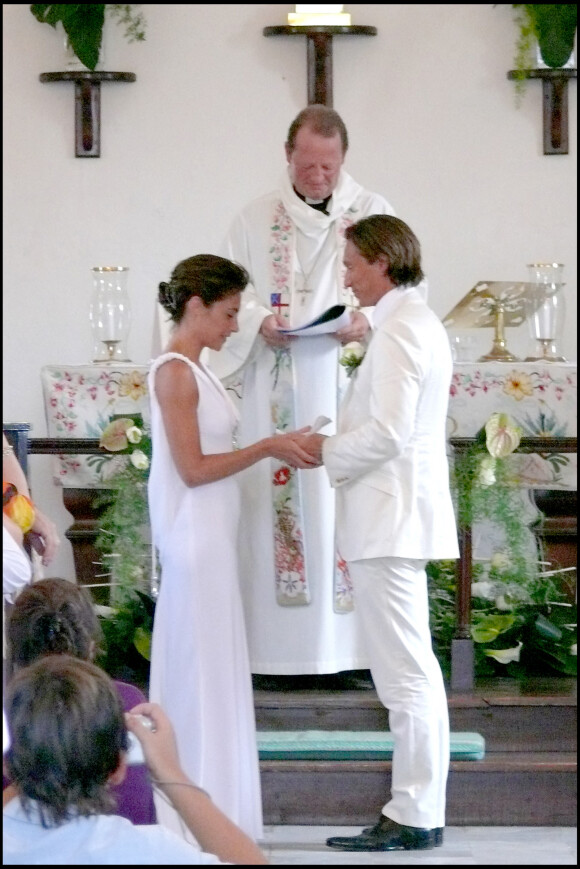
column 167, row 357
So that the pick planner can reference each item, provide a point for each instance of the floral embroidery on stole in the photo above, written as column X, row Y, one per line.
column 290, row 567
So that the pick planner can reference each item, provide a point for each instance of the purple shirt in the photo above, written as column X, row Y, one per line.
column 135, row 794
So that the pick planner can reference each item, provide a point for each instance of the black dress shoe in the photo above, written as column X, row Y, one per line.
column 438, row 831
column 387, row 835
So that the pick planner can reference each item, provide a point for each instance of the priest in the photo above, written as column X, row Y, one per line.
column 295, row 584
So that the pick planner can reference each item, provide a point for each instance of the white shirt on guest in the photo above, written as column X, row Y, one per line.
column 97, row 840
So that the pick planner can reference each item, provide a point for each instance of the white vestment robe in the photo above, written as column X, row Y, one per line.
column 285, row 243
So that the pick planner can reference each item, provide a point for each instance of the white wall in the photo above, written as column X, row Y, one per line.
column 433, row 127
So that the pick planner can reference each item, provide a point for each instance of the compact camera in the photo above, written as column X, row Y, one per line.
column 135, row 753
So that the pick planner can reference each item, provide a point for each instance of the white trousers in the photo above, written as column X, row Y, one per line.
column 391, row 600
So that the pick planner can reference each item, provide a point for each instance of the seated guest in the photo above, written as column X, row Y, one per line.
column 54, row 616
column 36, row 527
column 24, row 524
column 16, row 573
column 67, row 744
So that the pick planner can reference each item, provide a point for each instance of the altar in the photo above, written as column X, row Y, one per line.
column 79, row 402
column 541, row 398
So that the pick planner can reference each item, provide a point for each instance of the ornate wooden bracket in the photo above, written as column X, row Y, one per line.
column 87, row 105
column 319, row 53
column 555, row 105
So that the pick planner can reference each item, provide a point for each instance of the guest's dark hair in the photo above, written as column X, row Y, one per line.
column 384, row 235
column 67, row 733
column 210, row 277
column 52, row 616
column 321, row 120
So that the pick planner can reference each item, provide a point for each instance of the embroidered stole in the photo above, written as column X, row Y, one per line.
column 292, row 587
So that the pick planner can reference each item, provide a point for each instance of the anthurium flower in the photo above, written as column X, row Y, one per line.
column 502, row 437
column 114, row 436
column 504, row 656
column 139, row 460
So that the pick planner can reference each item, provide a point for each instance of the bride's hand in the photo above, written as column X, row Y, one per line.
column 291, row 448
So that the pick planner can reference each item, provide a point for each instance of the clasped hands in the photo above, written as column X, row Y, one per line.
column 299, row 449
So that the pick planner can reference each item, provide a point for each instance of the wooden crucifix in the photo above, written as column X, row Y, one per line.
column 319, row 53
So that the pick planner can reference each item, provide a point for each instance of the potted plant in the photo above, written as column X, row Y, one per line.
column 552, row 27
column 83, row 25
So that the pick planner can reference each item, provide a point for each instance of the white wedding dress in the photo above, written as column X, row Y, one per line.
column 200, row 671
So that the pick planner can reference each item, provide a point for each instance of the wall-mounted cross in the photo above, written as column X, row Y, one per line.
column 555, row 105
column 319, row 53
column 87, row 105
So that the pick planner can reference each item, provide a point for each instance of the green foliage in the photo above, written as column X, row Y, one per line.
column 127, row 640
column 520, row 624
column 499, row 502
column 122, row 533
column 521, row 618
column 134, row 22
column 553, row 26
column 83, row 24
column 125, row 548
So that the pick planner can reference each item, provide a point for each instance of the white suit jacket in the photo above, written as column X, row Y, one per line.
column 388, row 460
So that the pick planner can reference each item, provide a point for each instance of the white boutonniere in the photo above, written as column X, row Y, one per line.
column 352, row 356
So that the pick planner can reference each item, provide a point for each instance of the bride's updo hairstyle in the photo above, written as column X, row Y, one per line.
column 210, row 277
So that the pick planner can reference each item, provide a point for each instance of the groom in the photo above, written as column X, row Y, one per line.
column 388, row 463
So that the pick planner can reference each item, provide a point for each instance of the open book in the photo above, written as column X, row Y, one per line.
column 331, row 320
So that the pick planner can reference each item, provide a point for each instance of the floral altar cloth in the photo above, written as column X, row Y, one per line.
column 539, row 397
column 79, row 401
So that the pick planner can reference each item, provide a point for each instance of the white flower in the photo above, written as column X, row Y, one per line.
column 134, row 434
column 502, row 603
column 105, row 611
column 573, row 650
column 352, row 356
column 485, row 590
column 500, row 561
column 353, row 350
column 504, row 656
column 139, row 460
column 487, row 471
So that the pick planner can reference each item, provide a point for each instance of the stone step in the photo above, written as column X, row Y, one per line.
column 504, row 789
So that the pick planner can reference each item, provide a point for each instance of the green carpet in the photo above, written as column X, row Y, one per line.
column 351, row 745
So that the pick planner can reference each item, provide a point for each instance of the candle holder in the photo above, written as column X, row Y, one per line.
column 546, row 310
column 110, row 313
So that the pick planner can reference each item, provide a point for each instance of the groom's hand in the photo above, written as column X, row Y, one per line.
column 312, row 443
